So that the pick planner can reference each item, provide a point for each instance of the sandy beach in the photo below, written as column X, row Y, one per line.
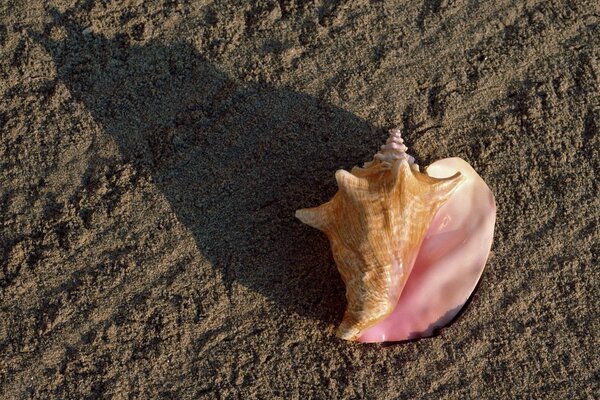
column 152, row 155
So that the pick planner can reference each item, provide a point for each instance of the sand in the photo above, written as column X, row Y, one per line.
column 152, row 155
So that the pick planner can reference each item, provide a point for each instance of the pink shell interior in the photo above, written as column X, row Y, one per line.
column 450, row 261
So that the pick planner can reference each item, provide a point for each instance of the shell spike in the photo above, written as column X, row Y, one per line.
column 347, row 181
column 317, row 217
column 443, row 187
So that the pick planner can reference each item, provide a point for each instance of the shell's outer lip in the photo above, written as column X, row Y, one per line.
column 449, row 263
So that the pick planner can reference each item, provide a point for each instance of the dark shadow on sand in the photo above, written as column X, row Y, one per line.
column 233, row 159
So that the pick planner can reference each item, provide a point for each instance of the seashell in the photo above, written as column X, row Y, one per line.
column 410, row 246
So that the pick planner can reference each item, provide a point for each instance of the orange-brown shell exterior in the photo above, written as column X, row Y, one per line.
column 375, row 224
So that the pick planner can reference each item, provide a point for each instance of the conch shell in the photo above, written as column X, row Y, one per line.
column 410, row 245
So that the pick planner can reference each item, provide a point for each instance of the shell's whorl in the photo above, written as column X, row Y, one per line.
column 393, row 149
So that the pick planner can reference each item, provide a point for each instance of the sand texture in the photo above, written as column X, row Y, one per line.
column 152, row 154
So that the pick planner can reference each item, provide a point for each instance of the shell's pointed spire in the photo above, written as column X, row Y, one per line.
column 394, row 149
column 317, row 217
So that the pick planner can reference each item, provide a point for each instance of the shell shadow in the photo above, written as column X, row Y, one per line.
column 233, row 159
